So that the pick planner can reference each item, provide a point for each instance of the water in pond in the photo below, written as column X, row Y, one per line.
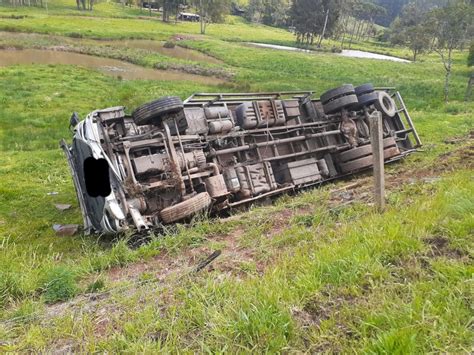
column 362, row 54
column 283, row 48
column 344, row 53
column 157, row 46
column 108, row 66
column 146, row 44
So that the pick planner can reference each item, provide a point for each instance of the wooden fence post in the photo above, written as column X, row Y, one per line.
column 376, row 139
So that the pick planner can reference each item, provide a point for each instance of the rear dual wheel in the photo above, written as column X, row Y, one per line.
column 361, row 157
column 382, row 101
column 337, row 99
column 366, row 95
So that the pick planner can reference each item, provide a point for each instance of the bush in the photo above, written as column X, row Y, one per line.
column 169, row 44
column 96, row 286
column 59, row 284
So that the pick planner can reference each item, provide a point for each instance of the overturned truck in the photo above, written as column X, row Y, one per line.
column 170, row 160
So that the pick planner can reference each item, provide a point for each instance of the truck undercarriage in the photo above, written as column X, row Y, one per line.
column 170, row 160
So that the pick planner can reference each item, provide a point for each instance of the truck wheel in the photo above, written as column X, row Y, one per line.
column 367, row 99
column 340, row 103
column 347, row 89
column 359, row 152
column 364, row 89
column 187, row 208
column 154, row 110
column 357, row 164
column 367, row 161
column 385, row 104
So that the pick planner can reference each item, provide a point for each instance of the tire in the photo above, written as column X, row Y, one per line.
column 347, row 89
column 385, row 104
column 364, row 89
column 187, row 208
column 154, row 110
column 367, row 99
column 367, row 161
column 358, row 164
column 340, row 103
column 359, row 152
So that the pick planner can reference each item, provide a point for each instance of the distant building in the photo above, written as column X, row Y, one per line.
column 187, row 16
column 150, row 5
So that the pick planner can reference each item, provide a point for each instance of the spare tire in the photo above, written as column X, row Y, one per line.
column 364, row 89
column 340, row 103
column 154, row 110
column 186, row 208
column 329, row 95
column 385, row 104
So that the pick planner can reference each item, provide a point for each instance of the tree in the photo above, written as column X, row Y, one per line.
column 275, row 12
column 411, row 29
column 357, row 20
column 212, row 11
column 313, row 17
column 169, row 7
column 451, row 25
column 268, row 12
column 393, row 9
column 28, row 3
column 255, row 10
column 347, row 11
column 79, row 3
column 470, row 57
column 88, row 6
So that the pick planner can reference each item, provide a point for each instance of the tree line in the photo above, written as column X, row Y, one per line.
column 424, row 27
column 439, row 26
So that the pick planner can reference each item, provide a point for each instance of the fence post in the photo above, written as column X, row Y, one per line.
column 376, row 139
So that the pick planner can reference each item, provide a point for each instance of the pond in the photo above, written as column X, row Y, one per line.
column 362, row 54
column 114, row 67
column 344, row 53
column 145, row 44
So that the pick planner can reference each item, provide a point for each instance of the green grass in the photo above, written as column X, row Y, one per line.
column 336, row 280
column 65, row 7
column 235, row 28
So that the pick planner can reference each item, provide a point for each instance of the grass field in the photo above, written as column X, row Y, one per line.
column 308, row 273
column 112, row 21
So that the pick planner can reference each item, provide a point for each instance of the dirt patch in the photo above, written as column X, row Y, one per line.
column 187, row 37
column 440, row 247
column 325, row 305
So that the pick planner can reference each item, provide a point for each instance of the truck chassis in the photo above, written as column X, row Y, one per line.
column 170, row 160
